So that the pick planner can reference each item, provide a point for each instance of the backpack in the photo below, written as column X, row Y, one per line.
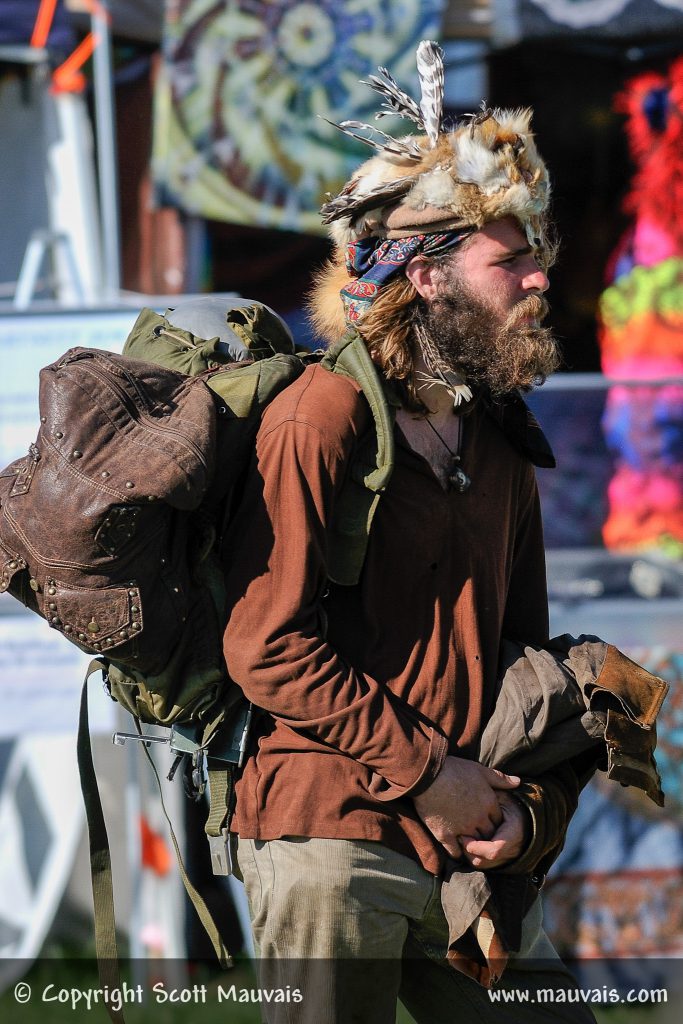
column 110, row 529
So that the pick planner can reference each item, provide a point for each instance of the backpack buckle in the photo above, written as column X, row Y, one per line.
column 199, row 772
column 120, row 739
column 221, row 854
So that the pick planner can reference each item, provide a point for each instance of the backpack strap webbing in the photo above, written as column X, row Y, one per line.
column 221, row 791
column 203, row 912
column 220, row 797
column 372, row 465
column 100, row 857
column 106, row 946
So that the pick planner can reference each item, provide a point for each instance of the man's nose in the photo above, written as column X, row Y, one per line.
column 536, row 280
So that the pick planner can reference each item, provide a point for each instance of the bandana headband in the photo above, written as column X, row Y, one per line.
column 375, row 262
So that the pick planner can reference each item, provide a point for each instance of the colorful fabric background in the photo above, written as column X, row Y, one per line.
column 641, row 326
column 240, row 133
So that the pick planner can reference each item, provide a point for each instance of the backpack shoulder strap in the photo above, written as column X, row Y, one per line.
column 372, row 466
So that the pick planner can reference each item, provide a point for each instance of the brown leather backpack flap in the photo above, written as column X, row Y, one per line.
column 142, row 431
column 89, row 532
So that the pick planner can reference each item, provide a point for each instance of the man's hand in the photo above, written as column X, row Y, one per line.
column 506, row 843
column 463, row 800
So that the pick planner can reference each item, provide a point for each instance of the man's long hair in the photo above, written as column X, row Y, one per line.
column 390, row 325
column 387, row 327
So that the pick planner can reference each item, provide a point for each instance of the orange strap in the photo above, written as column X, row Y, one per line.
column 43, row 24
column 67, row 77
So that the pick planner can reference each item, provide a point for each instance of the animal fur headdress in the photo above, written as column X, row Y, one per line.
column 485, row 168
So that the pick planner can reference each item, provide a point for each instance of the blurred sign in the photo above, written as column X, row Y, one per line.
column 30, row 341
column 41, row 818
column 41, row 675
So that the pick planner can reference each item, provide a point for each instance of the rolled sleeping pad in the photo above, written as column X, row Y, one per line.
column 211, row 316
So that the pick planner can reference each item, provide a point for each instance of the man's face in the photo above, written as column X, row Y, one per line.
column 485, row 310
column 498, row 266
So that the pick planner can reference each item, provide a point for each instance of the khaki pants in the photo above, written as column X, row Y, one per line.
column 348, row 927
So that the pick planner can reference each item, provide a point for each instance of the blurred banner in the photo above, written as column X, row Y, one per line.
column 240, row 132
column 515, row 20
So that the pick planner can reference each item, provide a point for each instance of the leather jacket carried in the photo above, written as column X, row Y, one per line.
column 571, row 708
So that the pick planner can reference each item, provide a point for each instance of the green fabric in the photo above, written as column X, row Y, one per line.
column 245, row 391
column 106, row 946
column 155, row 340
column 261, row 332
column 191, row 685
column 372, row 467
column 220, row 796
column 351, row 358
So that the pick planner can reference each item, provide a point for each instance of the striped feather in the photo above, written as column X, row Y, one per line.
column 385, row 144
column 431, row 74
column 347, row 204
column 440, row 373
column 395, row 100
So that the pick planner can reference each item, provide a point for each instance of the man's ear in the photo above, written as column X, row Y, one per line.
column 422, row 274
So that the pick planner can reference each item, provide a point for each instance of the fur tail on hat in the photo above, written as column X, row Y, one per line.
column 325, row 308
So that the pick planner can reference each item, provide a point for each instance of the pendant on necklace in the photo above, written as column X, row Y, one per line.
column 457, row 478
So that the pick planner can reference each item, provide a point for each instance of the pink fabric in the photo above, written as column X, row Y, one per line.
column 652, row 244
column 642, row 367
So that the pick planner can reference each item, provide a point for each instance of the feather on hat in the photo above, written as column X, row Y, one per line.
column 486, row 168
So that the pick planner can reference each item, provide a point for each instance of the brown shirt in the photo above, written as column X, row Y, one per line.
column 365, row 710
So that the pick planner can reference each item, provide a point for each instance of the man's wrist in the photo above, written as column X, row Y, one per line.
column 437, row 756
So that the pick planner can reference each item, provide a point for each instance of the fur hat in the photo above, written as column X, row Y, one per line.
column 486, row 168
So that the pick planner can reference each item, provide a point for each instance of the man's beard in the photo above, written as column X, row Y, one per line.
column 500, row 357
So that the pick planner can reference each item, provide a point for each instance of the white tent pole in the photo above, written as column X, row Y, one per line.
column 105, row 127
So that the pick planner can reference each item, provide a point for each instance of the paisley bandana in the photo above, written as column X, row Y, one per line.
column 374, row 262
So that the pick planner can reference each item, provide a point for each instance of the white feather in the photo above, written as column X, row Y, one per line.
column 431, row 75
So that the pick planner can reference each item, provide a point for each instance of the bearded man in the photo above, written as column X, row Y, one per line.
column 364, row 790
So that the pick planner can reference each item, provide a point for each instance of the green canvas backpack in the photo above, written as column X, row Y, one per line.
column 131, row 445
column 188, row 689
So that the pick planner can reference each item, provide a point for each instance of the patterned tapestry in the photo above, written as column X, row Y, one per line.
column 247, row 85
